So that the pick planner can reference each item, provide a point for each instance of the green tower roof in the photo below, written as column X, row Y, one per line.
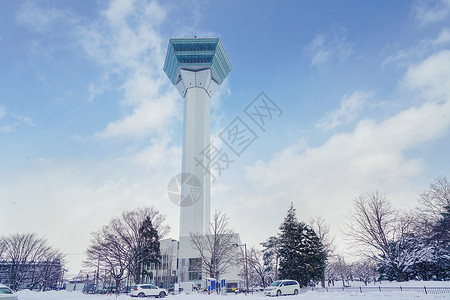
column 195, row 54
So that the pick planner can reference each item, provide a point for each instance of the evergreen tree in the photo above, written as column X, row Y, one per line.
column 147, row 251
column 302, row 256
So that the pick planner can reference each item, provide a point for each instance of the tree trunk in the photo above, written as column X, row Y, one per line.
column 117, row 286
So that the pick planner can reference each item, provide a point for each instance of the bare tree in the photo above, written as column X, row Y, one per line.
column 323, row 233
column 183, row 274
column 432, row 204
column 116, row 246
column 337, row 269
column 32, row 261
column 364, row 270
column 341, row 268
column 108, row 251
column 382, row 233
column 49, row 270
column 215, row 248
column 331, row 274
column 2, row 248
column 271, row 257
column 258, row 276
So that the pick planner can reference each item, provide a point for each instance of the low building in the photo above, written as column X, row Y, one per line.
column 181, row 263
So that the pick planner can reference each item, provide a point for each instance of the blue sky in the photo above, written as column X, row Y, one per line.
column 90, row 125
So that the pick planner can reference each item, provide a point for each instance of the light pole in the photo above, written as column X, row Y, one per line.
column 246, row 267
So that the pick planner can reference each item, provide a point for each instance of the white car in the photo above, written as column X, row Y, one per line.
column 282, row 287
column 147, row 290
column 6, row 293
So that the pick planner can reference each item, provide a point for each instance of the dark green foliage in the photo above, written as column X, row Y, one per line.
column 302, row 256
column 147, row 250
column 150, row 242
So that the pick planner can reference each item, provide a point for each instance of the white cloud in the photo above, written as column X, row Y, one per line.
column 324, row 180
column 82, row 196
column 6, row 128
column 12, row 121
column 132, row 47
column 2, row 112
column 149, row 117
column 39, row 19
column 351, row 106
column 321, row 54
column 323, row 48
column 429, row 12
column 431, row 77
column 443, row 37
column 424, row 47
column 23, row 120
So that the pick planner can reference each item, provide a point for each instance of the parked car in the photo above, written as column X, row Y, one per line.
column 6, row 293
column 282, row 287
column 147, row 290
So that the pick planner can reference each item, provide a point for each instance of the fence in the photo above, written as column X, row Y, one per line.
column 362, row 289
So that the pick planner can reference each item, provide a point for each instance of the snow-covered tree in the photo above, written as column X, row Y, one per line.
column 432, row 227
column 302, row 256
column 437, row 266
column 406, row 253
column 381, row 233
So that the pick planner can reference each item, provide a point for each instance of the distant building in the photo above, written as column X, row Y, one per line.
column 164, row 273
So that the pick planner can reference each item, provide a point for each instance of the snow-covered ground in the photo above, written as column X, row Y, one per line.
column 63, row 295
column 305, row 295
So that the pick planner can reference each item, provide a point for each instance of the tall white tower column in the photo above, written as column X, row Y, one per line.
column 196, row 137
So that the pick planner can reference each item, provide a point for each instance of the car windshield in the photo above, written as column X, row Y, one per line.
column 275, row 283
column 4, row 290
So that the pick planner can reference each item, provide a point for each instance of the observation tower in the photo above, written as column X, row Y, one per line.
column 196, row 67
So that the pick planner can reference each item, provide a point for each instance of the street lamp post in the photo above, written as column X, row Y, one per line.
column 246, row 267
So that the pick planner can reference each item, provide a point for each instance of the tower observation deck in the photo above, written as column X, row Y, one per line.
column 196, row 66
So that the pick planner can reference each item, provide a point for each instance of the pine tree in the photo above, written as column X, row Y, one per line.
column 148, row 250
column 302, row 256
